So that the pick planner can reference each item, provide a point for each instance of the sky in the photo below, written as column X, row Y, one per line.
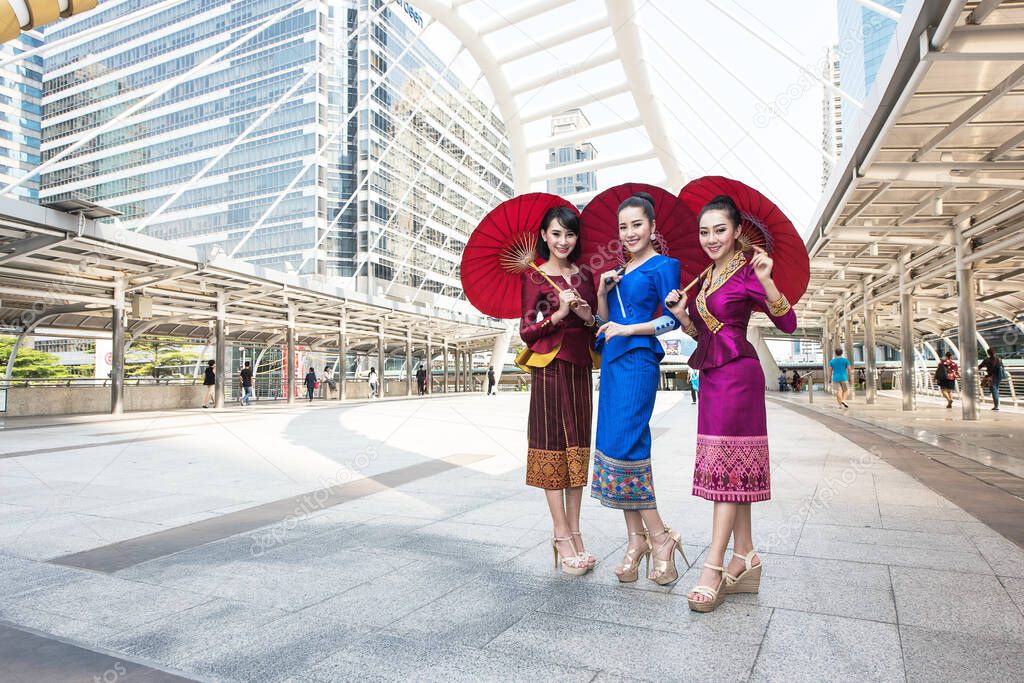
column 711, row 78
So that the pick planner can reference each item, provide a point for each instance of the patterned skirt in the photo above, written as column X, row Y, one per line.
column 558, row 433
column 732, row 434
column 622, row 461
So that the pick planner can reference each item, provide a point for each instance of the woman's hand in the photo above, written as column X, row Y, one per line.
column 762, row 264
column 608, row 281
column 582, row 308
column 676, row 302
column 611, row 330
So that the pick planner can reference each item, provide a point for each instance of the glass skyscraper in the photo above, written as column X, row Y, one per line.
column 352, row 174
column 864, row 37
column 21, row 92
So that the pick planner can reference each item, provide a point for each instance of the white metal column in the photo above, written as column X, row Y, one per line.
column 968, row 328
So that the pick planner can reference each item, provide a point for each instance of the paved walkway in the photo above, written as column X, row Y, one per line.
column 396, row 539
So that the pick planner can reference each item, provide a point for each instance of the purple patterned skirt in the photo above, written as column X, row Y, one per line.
column 732, row 434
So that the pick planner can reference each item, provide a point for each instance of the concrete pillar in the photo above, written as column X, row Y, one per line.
column 220, row 353
column 469, row 371
column 444, row 357
column 408, row 363
column 289, row 378
column 869, row 349
column 430, row 364
column 826, row 383
column 968, row 328
column 848, row 340
column 906, row 336
column 117, row 349
column 380, row 358
column 342, row 354
column 458, row 376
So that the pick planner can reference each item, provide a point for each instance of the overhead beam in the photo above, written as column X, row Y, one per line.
column 30, row 245
column 584, row 134
column 592, row 165
column 566, row 71
column 552, row 39
column 510, row 17
column 990, row 98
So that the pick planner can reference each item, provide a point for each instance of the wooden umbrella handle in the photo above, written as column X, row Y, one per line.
column 551, row 282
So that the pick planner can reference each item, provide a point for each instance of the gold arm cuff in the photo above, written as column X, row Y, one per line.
column 691, row 329
column 779, row 307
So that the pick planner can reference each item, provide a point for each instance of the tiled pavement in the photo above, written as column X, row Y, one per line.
column 442, row 569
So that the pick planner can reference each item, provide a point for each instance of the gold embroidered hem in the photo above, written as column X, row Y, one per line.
column 710, row 286
column 558, row 469
column 779, row 308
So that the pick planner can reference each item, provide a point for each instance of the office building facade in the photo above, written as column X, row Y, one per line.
column 328, row 118
column 21, row 93
column 864, row 38
column 566, row 122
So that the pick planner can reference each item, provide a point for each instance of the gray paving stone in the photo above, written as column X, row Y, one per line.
column 816, row 647
column 835, row 598
column 177, row 639
column 1006, row 557
column 742, row 623
column 609, row 647
column 275, row 651
column 963, row 561
column 471, row 615
column 937, row 656
column 970, row 604
column 386, row 599
column 1015, row 587
column 109, row 601
column 383, row 657
column 887, row 537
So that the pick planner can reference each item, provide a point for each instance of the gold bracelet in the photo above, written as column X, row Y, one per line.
column 779, row 307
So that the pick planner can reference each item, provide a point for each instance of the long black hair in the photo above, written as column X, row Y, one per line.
column 642, row 201
column 569, row 221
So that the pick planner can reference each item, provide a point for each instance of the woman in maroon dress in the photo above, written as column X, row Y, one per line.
column 557, row 325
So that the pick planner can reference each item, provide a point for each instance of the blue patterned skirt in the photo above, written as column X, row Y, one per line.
column 622, row 459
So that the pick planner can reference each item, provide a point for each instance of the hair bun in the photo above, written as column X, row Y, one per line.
column 645, row 196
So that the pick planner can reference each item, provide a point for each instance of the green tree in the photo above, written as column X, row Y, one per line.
column 30, row 363
column 159, row 356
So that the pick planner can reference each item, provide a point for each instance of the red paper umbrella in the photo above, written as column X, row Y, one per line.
column 675, row 227
column 764, row 225
column 501, row 248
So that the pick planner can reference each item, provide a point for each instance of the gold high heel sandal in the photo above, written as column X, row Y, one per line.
column 714, row 595
column 631, row 571
column 667, row 572
column 748, row 580
column 590, row 558
column 573, row 565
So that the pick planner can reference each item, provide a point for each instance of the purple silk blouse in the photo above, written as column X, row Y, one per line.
column 721, row 312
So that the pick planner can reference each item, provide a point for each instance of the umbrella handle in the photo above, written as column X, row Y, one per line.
column 551, row 282
column 618, row 271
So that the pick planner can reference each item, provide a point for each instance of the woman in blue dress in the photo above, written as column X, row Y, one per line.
column 630, row 302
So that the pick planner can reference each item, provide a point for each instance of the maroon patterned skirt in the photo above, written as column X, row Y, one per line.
column 558, row 434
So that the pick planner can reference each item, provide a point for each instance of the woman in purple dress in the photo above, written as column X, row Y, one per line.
column 731, row 466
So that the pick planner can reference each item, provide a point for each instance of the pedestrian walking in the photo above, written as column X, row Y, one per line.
column 946, row 375
column 246, row 376
column 995, row 373
column 209, row 383
column 491, row 381
column 371, row 380
column 841, row 377
column 311, row 384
